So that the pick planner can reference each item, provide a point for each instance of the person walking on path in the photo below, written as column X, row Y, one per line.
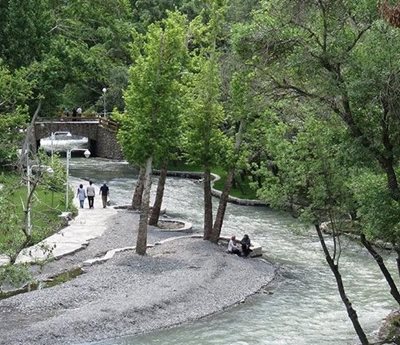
column 81, row 195
column 91, row 192
column 104, row 191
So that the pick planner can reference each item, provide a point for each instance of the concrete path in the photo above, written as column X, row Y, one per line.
column 88, row 224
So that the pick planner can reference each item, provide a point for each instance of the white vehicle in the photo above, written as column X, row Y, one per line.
column 62, row 141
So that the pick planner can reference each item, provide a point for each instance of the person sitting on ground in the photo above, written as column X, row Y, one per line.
column 233, row 247
column 246, row 245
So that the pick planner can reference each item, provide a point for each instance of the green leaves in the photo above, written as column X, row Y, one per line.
column 151, row 124
column 310, row 176
column 15, row 90
column 379, row 213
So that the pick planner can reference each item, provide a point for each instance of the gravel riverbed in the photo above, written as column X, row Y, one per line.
column 178, row 281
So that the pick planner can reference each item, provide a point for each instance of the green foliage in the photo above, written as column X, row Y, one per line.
column 150, row 126
column 24, row 35
column 11, row 236
column 311, row 176
column 46, row 207
column 379, row 214
column 71, row 49
column 146, row 12
column 241, row 189
column 325, row 65
column 203, row 139
column 14, row 275
column 15, row 91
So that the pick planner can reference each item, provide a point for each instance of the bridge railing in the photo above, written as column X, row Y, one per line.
column 102, row 121
column 109, row 124
column 66, row 118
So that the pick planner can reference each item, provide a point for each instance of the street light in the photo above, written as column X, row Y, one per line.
column 87, row 155
column 104, row 101
column 52, row 147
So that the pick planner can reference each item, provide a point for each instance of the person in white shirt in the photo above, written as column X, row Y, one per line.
column 233, row 248
column 90, row 191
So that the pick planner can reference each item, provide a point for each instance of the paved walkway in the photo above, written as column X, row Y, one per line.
column 88, row 224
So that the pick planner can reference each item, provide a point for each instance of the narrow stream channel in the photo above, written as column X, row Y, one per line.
column 304, row 308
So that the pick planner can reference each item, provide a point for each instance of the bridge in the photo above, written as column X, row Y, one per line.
column 101, row 133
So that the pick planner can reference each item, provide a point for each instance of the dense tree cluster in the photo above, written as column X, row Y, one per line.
column 300, row 96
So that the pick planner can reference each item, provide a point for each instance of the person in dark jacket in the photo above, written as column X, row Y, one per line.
column 246, row 245
column 104, row 192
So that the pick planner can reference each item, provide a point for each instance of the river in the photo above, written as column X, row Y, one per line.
column 304, row 308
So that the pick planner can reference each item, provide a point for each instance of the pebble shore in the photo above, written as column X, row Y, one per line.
column 178, row 281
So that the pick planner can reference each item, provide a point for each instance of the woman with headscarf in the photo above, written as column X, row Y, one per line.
column 81, row 195
column 246, row 245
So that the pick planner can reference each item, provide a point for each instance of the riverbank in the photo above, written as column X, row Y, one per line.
column 178, row 281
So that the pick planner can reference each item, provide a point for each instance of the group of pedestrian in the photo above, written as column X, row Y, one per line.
column 240, row 248
column 90, row 193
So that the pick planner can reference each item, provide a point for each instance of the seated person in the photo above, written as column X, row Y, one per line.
column 246, row 245
column 233, row 247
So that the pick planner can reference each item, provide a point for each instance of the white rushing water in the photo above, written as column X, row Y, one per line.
column 304, row 308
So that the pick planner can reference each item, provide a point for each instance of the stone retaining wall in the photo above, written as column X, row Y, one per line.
column 107, row 145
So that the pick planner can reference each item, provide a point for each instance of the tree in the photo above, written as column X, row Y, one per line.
column 149, row 124
column 146, row 12
column 340, row 55
column 313, row 175
column 352, row 58
column 15, row 92
column 24, row 34
column 18, row 231
column 240, row 113
column 73, row 50
column 203, row 138
column 341, row 59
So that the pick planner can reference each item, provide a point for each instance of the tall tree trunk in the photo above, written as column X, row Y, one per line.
column 137, row 195
column 335, row 270
column 223, row 201
column 393, row 288
column 155, row 212
column 207, row 204
column 141, row 242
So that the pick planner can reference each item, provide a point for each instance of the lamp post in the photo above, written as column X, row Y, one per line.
column 67, row 183
column 86, row 153
column 104, row 101
column 52, row 147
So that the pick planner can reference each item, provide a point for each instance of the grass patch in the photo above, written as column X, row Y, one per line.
column 45, row 210
column 241, row 188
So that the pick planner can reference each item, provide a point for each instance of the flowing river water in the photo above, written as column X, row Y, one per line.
column 304, row 308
